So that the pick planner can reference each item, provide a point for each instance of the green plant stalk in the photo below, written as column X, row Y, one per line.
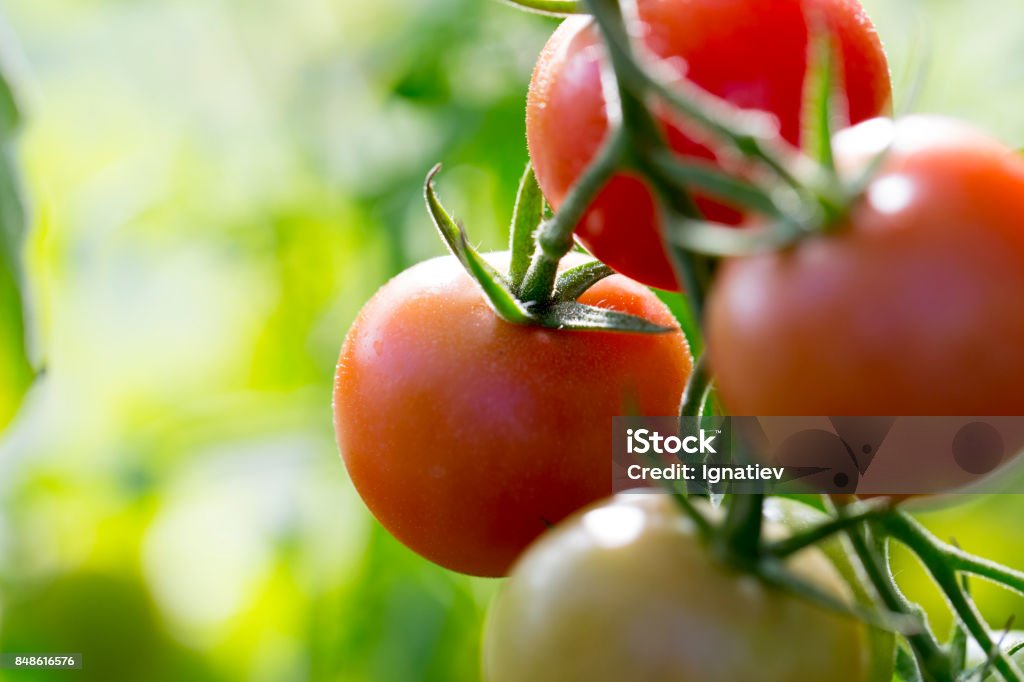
column 704, row 526
column 741, row 533
column 796, row 543
column 935, row 558
column 753, row 134
column 554, row 238
column 968, row 563
column 932, row 660
column 697, row 387
column 648, row 150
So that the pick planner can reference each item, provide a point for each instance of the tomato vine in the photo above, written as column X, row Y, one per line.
column 800, row 194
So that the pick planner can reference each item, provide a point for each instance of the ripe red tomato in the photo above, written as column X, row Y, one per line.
column 466, row 436
column 626, row 590
column 913, row 306
column 751, row 52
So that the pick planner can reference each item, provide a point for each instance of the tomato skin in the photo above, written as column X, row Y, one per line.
column 751, row 52
column 466, row 435
column 626, row 590
column 912, row 308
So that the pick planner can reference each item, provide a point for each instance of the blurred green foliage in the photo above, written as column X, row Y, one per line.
column 216, row 188
column 15, row 371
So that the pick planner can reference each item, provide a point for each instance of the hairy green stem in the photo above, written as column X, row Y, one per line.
column 554, row 237
column 744, row 521
column 697, row 387
column 934, row 555
column 968, row 563
column 801, row 541
column 932, row 660
column 754, row 134
column 704, row 526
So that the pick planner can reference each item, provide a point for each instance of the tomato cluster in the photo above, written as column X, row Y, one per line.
column 471, row 420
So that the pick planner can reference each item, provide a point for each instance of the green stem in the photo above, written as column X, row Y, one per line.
column 741, row 532
column 934, row 556
column 796, row 543
column 932, row 660
column 557, row 8
column 968, row 563
column 704, row 526
column 754, row 134
column 554, row 238
column 990, row 570
column 697, row 387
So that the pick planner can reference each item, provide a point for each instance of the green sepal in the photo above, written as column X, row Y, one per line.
column 573, row 316
column 526, row 218
column 712, row 239
column 563, row 315
column 823, row 102
column 551, row 8
column 575, row 281
column 495, row 288
column 704, row 176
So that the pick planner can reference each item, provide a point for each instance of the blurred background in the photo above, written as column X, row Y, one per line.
column 216, row 187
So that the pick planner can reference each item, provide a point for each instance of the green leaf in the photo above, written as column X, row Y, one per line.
column 824, row 101
column 526, row 218
column 496, row 290
column 575, row 281
column 573, row 316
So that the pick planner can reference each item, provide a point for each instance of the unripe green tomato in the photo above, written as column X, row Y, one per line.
column 627, row 590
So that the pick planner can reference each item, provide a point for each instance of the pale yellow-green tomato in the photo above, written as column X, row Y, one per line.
column 627, row 591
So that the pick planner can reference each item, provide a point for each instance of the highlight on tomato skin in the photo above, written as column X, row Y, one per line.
column 628, row 590
column 468, row 436
column 911, row 306
column 753, row 53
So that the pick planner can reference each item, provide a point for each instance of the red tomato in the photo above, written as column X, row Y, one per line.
column 913, row 306
column 751, row 52
column 466, row 436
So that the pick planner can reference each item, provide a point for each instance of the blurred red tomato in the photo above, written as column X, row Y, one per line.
column 751, row 52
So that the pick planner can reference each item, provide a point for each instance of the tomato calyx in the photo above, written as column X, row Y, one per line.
column 558, row 308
